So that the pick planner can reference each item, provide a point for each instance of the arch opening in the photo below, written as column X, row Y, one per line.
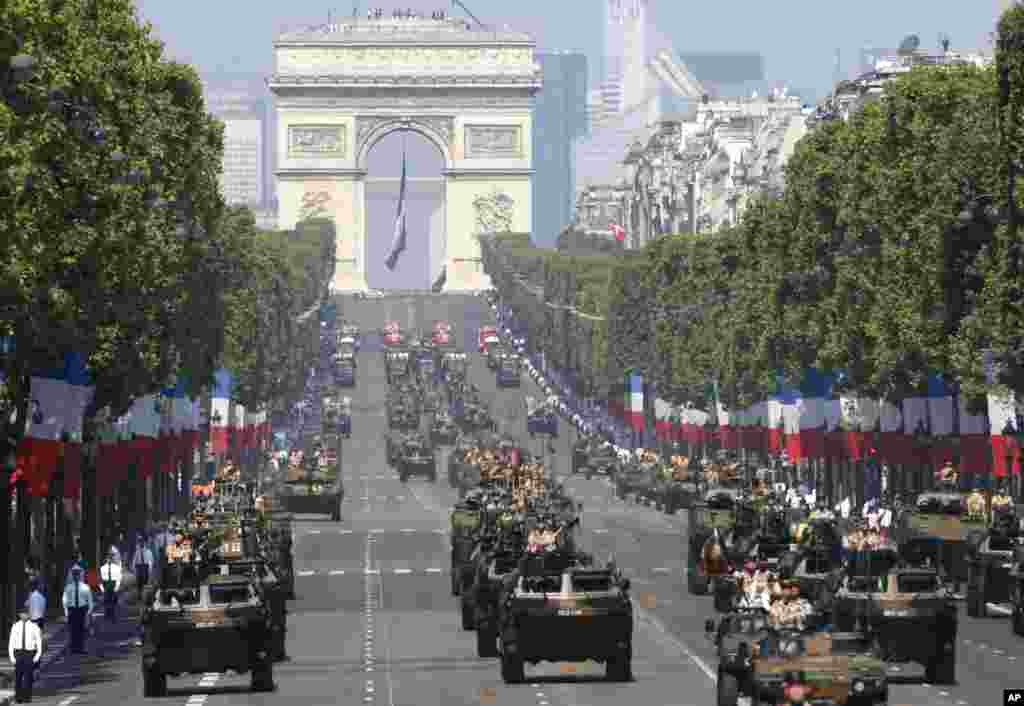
column 420, row 264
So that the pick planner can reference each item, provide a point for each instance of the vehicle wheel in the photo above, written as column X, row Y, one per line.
column 486, row 641
column 263, row 676
column 512, row 671
column 696, row 584
column 728, row 689
column 154, row 684
column 468, row 613
column 620, row 668
column 942, row 669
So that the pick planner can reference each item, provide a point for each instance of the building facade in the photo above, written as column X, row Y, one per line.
column 243, row 104
column 559, row 121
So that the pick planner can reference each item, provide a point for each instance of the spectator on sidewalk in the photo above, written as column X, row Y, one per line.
column 78, row 561
column 114, row 554
column 110, row 584
column 142, row 564
column 78, row 607
column 36, row 605
column 25, row 649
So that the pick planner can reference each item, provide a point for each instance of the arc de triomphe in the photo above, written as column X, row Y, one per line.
column 340, row 88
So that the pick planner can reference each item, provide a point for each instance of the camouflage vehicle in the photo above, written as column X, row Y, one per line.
column 416, row 457
column 465, row 527
column 443, row 429
column 337, row 417
column 941, row 516
column 403, row 415
column 494, row 354
column 455, row 367
column 393, row 444
column 311, row 490
column 476, row 417
column 560, row 608
column 509, row 370
column 633, row 479
column 345, row 367
column 992, row 559
column 599, row 460
column 907, row 610
column 274, row 593
column 770, row 665
column 491, row 569
column 817, row 563
column 764, row 547
column 397, row 365
column 710, row 527
column 218, row 625
column 462, row 474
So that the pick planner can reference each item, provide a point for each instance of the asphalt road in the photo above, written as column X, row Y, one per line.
column 375, row 623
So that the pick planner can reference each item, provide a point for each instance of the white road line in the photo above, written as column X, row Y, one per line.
column 661, row 570
column 306, row 573
column 600, row 531
column 344, row 531
column 315, row 531
column 433, row 571
column 402, row 571
column 68, row 700
column 652, row 620
column 407, row 531
column 376, row 531
column 371, row 571
column 337, row 572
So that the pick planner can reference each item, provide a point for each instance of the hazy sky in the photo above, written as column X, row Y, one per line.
column 797, row 38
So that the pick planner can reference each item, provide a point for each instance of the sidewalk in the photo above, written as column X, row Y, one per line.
column 58, row 669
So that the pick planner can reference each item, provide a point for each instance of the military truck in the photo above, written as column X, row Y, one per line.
column 600, row 460
column 443, row 429
column 772, row 665
column 485, row 593
column 817, row 562
column 709, row 525
column 313, row 492
column 274, row 593
column 908, row 611
column 465, row 526
column 633, row 479
column 396, row 365
column 221, row 624
column 462, row 475
column 494, row 353
column 345, row 367
column 403, row 415
column 558, row 609
column 941, row 516
column 509, row 370
column 455, row 367
column 416, row 458
column 992, row 556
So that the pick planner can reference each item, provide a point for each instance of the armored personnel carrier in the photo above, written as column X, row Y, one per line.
column 797, row 664
column 443, row 429
column 416, row 457
column 397, row 365
column 557, row 609
column 465, row 526
column 312, row 490
column 907, row 610
column 220, row 624
column 403, row 415
column 992, row 556
column 710, row 524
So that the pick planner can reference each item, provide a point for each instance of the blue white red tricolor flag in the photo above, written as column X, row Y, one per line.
column 399, row 241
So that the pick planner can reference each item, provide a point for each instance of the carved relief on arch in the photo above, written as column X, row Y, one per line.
column 370, row 128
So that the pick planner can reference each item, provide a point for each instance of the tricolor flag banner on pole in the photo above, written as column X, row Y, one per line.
column 636, row 402
column 399, row 241
column 618, row 231
column 144, row 424
column 1003, row 419
column 57, row 403
column 220, row 411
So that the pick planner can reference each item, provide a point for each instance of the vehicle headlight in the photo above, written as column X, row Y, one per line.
column 858, row 687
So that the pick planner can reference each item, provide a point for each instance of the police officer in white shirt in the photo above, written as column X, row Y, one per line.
column 25, row 649
column 78, row 606
column 110, row 584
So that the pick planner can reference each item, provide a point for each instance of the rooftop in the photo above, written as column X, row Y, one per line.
column 367, row 32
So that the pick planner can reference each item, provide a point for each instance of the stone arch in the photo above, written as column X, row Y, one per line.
column 437, row 131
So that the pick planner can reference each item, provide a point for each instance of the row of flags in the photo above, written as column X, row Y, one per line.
column 156, row 433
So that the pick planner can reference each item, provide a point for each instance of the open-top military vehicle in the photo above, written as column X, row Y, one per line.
column 465, row 528
column 817, row 562
column 490, row 570
column 710, row 526
column 443, row 429
column 494, row 524
column 992, row 558
column 509, row 370
column 942, row 517
column 683, row 486
column 403, row 415
column 476, row 417
column 795, row 664
column 199, row 621
column 494, row 353
column 345, row 367
column 455, row 367
column 416, row 458
column 311, row 490
column 542, row 420
column 762, row 539
column 907, row 610
column 337, row 416
column 559, row 607
column 274, row 593
column 599, row 459
column 397, row 365
column 633, row 479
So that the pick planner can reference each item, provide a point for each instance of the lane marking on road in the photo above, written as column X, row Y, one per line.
column 659, row 627
column 306, row 573
column 600, row 531
column 371, row 572
column 661, row 570
column 69, row 700
column 433, row 571
column 337, row 572
column 344, row 531
column 407, row 531
column 402, row 571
